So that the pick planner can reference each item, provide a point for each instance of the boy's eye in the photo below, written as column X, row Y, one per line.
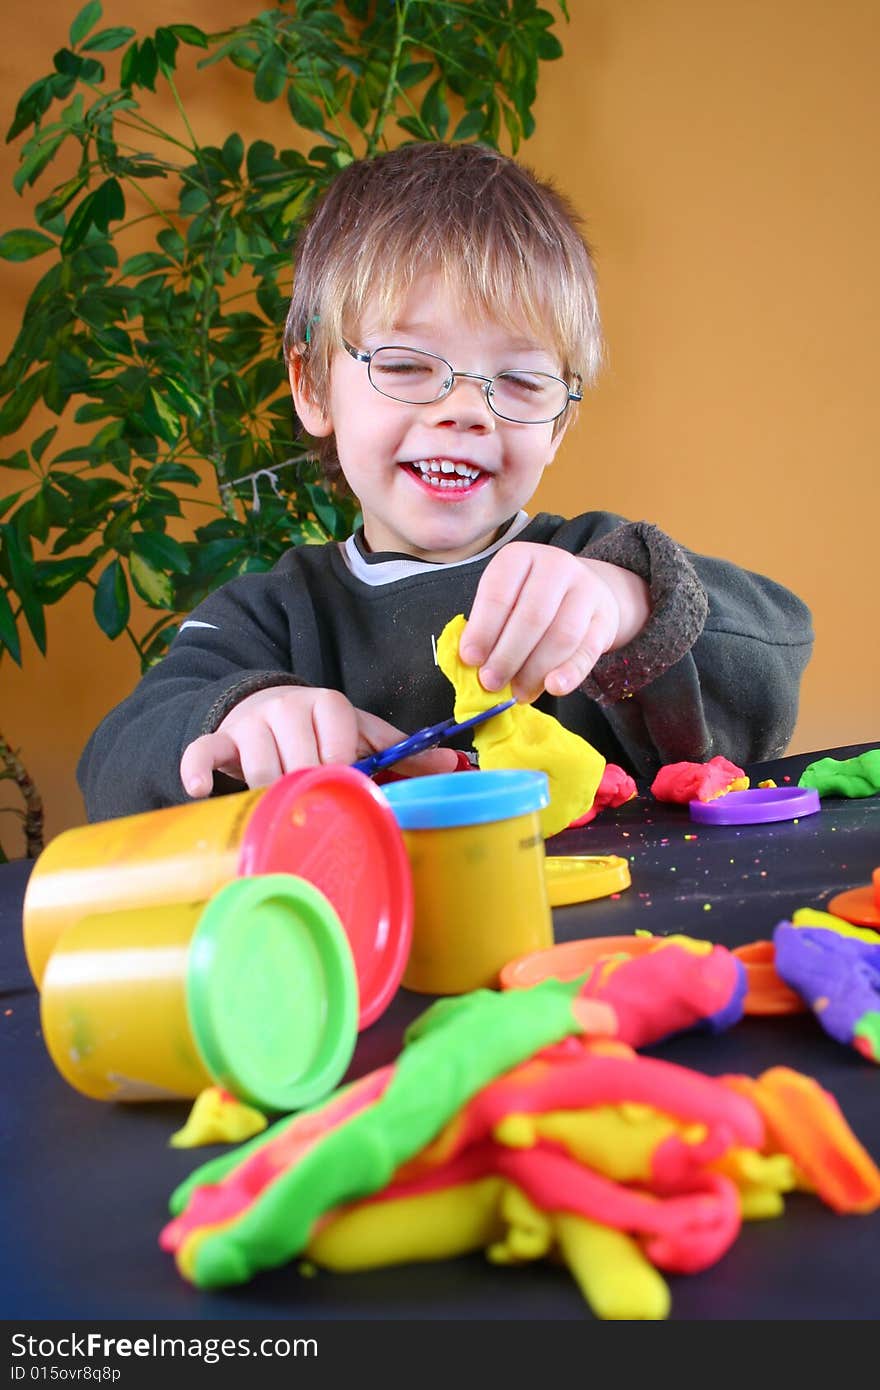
column 524, row 383
column 402, row 366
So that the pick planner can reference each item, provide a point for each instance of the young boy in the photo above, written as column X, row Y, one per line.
column 442, row 327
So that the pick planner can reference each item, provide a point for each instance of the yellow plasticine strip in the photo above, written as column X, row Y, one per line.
column 617, row 1141
column 218, row 1118
column 812, row 917
column 426, row 1226
column 805, row 1122
column 613, row 1275
column 523, row 737
column 760, row 1179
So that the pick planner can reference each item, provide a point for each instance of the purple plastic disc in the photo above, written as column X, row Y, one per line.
column 759, row 804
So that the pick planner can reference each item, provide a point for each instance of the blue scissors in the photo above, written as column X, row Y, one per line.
column 423, row 739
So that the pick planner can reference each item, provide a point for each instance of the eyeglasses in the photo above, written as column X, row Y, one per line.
column 420, row 378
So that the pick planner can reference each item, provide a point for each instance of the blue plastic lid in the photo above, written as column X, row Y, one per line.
column 466, row 798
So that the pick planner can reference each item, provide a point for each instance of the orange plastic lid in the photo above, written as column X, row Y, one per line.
column 570, row 959
column 861, row 906
column 767, row 993
column 332, row 826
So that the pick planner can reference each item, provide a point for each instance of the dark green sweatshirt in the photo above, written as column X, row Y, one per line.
column 717, row 669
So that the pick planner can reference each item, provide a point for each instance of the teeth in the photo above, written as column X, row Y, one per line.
column 430, row 470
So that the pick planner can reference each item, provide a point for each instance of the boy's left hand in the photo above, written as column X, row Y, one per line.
column 542, row 617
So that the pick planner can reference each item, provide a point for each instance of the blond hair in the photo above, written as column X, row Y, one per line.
column 504, row 242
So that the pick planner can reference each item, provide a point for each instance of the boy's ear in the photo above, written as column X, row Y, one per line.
column 315, row 420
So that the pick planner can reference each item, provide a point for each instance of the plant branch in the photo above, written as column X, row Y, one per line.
column 33, row 816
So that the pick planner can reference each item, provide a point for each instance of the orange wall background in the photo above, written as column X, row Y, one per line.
column 723, row 156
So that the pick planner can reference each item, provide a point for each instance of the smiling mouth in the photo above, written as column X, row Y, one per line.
column 446, row 475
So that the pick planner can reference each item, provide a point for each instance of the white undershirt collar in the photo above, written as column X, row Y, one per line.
column 388, row 571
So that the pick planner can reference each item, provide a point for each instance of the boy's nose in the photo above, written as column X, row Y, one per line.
column 466, row 406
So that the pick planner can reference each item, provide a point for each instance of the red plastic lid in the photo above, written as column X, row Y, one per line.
column 332, row 826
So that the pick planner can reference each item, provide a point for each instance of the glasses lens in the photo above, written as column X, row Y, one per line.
column 407, row 374
column 528, row 397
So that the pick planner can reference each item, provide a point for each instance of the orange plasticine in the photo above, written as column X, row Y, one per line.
column 805, row 1121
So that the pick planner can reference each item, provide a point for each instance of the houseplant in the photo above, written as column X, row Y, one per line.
column 157, row 324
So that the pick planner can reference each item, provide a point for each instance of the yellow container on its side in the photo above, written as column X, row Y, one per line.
column 330, row 825
column 181, row 854
column 477, row 857
column 255, row 992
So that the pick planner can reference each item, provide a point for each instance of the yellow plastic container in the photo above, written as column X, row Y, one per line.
column 255, row 992
column 181, row 854
column 330, row 825
column 477, row 857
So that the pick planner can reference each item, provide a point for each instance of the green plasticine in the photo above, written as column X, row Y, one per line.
column 852, row 777
column 868, row 1027
column 457, row 1048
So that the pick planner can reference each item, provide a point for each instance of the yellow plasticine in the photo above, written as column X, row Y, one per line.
column 427, row 1226
column 614, row 1276
column 523, row 737
column 761, row 1180
column 768, row 784
column 528, row 1232
column 812, row 917
column 615, row 1140
column 218, row 1118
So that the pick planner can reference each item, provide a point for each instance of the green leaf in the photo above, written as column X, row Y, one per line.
column 53, row 578
column 23, row 244
column 112, row 605
column 84, row 22
column 233, row 152
column 8, row 630
column 548, row 47
column 18, row 405
column 304, row 111
column 411, row 74
column 469, row 126
column 150, row 583
column 188, row 33
column 270, row 77
column 17, row 460
column 33, row 165
column 159, row 415
column 20, row 569
column 108, row 39
column 41, row 444
column 161, row 551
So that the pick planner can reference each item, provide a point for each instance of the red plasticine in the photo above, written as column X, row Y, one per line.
column 615, row 788
column 684, row 782
column 578, row 1075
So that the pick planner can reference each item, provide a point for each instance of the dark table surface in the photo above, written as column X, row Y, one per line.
column 85, row 1184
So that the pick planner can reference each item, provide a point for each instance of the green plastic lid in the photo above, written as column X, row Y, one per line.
column 271, row 992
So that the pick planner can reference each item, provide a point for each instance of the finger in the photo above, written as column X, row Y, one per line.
column 562, row 639
column 533, row 615
column 335, row 727
column 202, row 756
column 497, row 593
column 377, row 734
column 571, row 673
column 258, row 754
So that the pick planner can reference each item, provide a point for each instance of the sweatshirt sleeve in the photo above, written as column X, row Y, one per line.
column 717, row 668
column 236, row 642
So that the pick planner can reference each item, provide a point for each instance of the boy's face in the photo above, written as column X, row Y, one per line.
column 381, row 441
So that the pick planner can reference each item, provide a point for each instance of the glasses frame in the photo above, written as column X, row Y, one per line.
column 488, row 382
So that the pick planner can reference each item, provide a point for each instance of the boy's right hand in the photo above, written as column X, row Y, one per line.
column 287, row 727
